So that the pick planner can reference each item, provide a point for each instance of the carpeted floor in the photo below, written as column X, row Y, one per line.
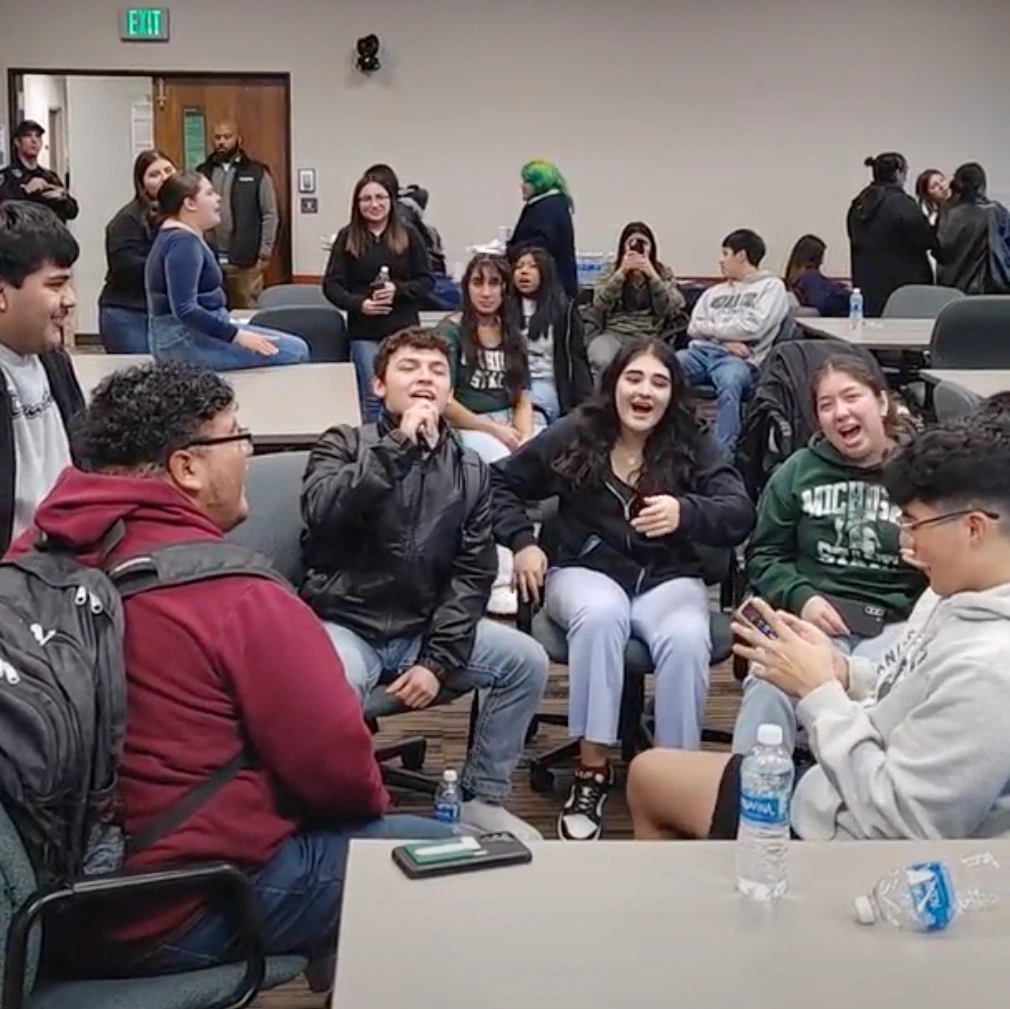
column 446, row 728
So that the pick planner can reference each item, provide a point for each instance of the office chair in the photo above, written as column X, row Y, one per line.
column 287, row 295
column 972, row 333
column 322, row 327
column 919, row 301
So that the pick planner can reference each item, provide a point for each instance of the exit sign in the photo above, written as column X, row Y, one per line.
column 143, row 24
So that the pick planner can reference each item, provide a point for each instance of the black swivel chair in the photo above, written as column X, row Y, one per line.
column 288, row 295
column 322, row 327
column 972, row 333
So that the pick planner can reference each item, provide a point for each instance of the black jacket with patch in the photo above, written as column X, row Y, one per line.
column 17, row 175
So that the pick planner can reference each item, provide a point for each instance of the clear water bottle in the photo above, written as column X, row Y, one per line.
column 448, row 800
column 762, row 846
column 856, row 308
column 927, row 896
column 383, row 277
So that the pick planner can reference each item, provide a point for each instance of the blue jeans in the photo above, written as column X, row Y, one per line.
column 297, row 893
column 763, row 703
column 546, row 406
column 733, row 378
column 173, row 341
column 673, row 622
column 363, row 358
column 123, row 330
column 507, row 666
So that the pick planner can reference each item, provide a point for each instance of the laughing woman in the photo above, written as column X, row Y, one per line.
column 648, row 512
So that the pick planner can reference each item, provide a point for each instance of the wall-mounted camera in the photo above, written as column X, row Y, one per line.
column 368, row 54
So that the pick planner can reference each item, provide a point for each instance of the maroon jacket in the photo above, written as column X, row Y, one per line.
column 208, row 666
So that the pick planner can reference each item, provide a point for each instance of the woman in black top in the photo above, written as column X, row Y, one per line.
column 379, row 274
column 643, row 497
column 889, row 235
column 122, row 305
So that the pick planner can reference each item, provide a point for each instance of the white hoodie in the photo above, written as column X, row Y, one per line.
column 921, row 746
column 742, row 311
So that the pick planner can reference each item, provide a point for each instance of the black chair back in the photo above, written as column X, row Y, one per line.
column 322, row 327
column 972, row 333
column 293, row 295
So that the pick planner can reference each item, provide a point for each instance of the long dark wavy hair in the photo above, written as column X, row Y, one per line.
column 669, row 461
column 516, row 367
column 357, row 237
column 551, row 298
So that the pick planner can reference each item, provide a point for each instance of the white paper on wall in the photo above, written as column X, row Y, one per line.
column 141, row 126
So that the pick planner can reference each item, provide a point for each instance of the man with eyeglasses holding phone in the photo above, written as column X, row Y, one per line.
column 918, row 746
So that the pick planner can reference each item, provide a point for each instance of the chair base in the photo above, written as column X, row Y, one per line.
column 411, row 753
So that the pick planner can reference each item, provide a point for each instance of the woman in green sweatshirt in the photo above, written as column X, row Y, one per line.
column 826, row 546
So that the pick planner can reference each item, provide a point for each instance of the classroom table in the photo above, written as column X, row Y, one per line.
column 243, row 315
column 874, row 334
column 284, row 407
column 981, row 382
column 636, row 925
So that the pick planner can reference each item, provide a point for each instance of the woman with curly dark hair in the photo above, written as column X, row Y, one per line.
column 649, row 508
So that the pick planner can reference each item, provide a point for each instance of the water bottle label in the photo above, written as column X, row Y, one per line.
column 446, row 812
column 766, row 810
column 931, row 897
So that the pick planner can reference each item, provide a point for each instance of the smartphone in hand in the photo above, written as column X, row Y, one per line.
column 748, row 613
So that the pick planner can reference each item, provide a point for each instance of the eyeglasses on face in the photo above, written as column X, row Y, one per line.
column 244, row 435
column 907, row 525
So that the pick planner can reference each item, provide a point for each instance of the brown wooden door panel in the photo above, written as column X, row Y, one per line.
column 260, row 107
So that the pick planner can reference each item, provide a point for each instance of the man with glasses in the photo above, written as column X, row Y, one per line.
column 918, row 747
column 214, row 668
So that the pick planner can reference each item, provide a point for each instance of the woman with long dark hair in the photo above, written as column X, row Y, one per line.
column 974, row 235
column 122, row 305
column 551, row 326
column 649, row 510
column 378, row 273
column 932, row 191
column 889, row 237
column 186, row 301
column 635, row 299
column 806, row 283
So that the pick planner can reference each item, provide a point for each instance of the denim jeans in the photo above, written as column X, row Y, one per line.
column 733, row 378
column 672, row 620
column 363, row 358
column 172, row 341
column 297, row 893
column 123, row 330
column 487, row 446
column 508, row 667
column 546, row 406
column 764, row 703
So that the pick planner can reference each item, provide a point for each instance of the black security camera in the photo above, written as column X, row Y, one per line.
column 368, row 54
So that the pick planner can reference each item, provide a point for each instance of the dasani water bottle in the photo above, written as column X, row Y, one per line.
column 448, row 800
column 856, row 308
column 766, row 786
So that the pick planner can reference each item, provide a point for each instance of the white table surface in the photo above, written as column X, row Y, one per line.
column 874, row 334
column 428, row 319
column 634, row 925
column 982, row 382
column 289, row 405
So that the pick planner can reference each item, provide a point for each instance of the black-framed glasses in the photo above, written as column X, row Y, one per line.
column 223, row 439
column 907, row 525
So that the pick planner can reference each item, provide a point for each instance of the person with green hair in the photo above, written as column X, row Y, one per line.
column 546, row 220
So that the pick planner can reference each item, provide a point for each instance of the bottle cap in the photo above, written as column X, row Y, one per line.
column 865, row 912
column 449, row 776
column 856, row 290
column 769, row 735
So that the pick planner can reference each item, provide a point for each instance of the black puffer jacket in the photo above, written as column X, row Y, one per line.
column 399, row 543
column 975, row 247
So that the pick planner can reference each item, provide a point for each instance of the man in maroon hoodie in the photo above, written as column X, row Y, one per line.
column 213, row 666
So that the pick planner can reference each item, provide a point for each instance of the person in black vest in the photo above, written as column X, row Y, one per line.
column 25, row 179
column 247, row 233
column 122, row 305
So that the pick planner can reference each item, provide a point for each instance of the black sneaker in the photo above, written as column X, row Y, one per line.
column 581, row 817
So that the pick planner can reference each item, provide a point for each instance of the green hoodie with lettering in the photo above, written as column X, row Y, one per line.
column 827, row 526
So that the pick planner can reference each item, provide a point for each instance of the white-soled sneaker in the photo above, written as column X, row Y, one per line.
column 504, row 601
column 581, row 817
column 488, row 818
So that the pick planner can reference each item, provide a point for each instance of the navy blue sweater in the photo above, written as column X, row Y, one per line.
column 547, row 222
column 184, row 281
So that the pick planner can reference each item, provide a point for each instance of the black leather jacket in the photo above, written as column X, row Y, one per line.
column 399, row 543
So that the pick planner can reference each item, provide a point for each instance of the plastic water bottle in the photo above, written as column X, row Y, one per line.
column 448, row 801
column 762, row 846
column 383, row 277
column 856, row 308
column 927, row 896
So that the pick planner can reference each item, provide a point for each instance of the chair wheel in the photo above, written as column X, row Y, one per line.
column 412, row 758
column 532, row 731
column 541, row 780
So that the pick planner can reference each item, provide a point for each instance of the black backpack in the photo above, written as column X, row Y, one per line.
column 63, row 697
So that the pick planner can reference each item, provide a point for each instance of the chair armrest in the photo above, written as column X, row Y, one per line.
column 217, row 876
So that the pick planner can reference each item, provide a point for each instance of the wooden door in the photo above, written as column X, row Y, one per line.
column 186, row 109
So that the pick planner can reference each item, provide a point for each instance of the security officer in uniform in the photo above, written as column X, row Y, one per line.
column 25, row 179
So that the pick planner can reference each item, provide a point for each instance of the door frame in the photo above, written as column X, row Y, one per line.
column 283, row 79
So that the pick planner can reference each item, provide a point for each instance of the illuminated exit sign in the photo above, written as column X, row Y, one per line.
column 143, row 24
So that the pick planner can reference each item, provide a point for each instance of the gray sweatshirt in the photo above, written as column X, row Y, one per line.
column 920, row 747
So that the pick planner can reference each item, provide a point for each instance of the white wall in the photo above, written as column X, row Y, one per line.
column 43, row 92
column 698, row 115
column 98, row 127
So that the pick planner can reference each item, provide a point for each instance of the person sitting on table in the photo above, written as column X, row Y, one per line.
column 186, row 301
column 636, row 298
column 642, row 495
column 826, row 545
column 122, row 305
column 808, row 285
column 919, row 746
column 732, row 328
column 400, row 558
column 376, row 244
column 560, row 378
column 213, row 667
